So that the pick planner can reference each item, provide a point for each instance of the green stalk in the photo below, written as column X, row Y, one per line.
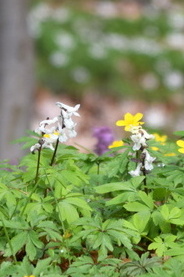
column 9, row 241
column 54, row 154
column 35, row 181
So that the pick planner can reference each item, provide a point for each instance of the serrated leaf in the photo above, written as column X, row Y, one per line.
column 147, row 199
column 41, row 266
column 17, row 243
column 30, row 249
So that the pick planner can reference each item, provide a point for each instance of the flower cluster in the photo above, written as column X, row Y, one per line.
column 180, row 143
column 139, row 137
column 60, row 128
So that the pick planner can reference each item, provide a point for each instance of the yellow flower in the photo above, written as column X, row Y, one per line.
column 160, row 138
column 180, row 143
column 50, row 135
column 67, row 235
column 170, row 154
column 130, row 121
column 154, row 148
column 116, row 143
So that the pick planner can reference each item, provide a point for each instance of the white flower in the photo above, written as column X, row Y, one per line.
column 137, row 171
column 148, row 161
column 62, row 137
column 139, row 137
column 45, row 128
column 139, row 141
column 35, row 147
column 69, row 109
column 72, row 133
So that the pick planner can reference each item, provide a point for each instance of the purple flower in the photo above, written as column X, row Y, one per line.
column 104, row 137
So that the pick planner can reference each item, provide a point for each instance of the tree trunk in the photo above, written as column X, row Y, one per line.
column 16, row 76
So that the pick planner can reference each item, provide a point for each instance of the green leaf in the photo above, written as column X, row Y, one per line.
column 179, row 133
column 147, row 199
column 106, row 188
column 140, row 221
column 135, row 207
column 78, row 202
column 31, row 249
column 67, row 212
column 17, row 243
column 41, row 266
column 34, row 237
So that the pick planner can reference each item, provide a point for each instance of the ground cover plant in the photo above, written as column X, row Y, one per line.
column 74, row 214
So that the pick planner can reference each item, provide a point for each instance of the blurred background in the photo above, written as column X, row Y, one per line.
column 112, row 57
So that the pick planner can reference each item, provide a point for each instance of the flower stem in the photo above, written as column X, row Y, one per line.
column 54, row 154
column 35, row 181
column 9, row 241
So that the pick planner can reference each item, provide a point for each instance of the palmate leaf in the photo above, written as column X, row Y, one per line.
column 17, row 243
column 67, row 212
column 135, row 207
column 41, row 266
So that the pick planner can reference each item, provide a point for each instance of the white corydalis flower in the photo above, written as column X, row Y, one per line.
column 59, row 128
column 148, row 161
column 70, row 110
column 137, row 171
column 139, row 137
column 138, row 140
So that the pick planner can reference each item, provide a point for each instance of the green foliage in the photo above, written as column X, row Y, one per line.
column 86, row 216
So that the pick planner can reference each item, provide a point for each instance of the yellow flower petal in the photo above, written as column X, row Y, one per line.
column 181, row 150
column 170, row 154
column 120, row 123
column 154, row 148
column 116, row 143
column 180, row 143
column 138, row 116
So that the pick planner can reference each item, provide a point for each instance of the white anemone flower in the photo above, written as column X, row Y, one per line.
column 148, row 162
column 137, row 171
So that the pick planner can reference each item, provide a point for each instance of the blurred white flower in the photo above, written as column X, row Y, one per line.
column 61, row 15
column 149, row 81
column 176, row 19
column 80, row 74
column 58, row 59
column 137, row 171
column 139, row 137
column 174, row 80
column 106, row 8
column 145, row 46
column 148, row 161
column 175, row 40
column 138, row 140
column 116, row 41
column 156, row 117
column 97, row 51
column 65, row 40
column 69, row 109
